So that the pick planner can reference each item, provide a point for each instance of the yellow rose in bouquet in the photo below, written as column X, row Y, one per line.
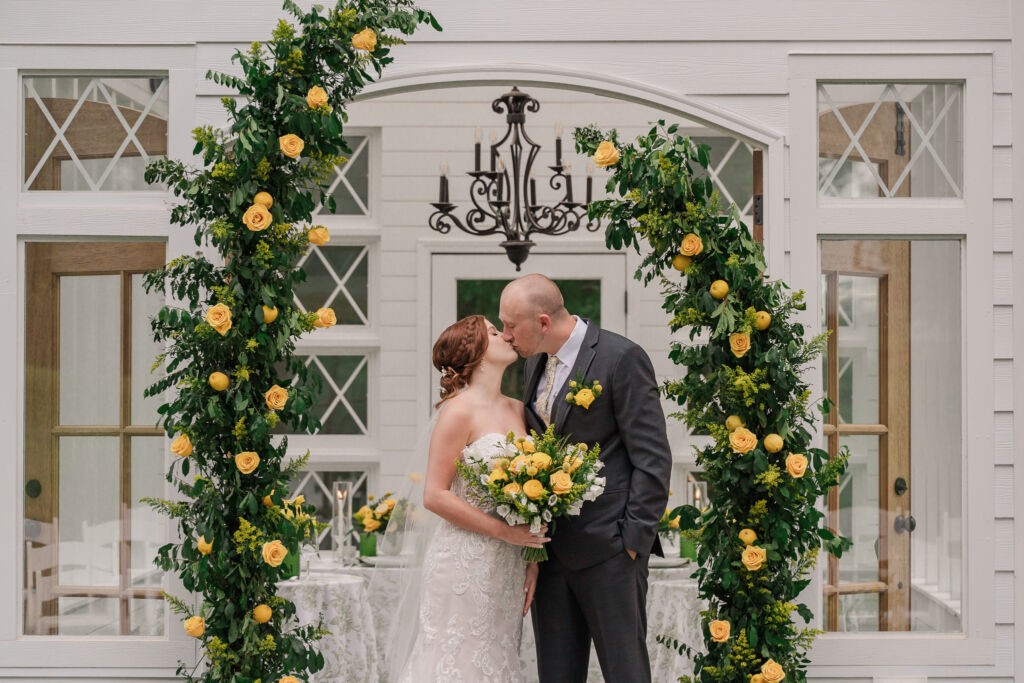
column 545, row 478
column 365, row 40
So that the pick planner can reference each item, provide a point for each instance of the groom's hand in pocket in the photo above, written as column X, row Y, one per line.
column 530, row 585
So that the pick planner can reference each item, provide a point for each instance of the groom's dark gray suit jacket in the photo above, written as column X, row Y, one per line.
column 629, row 423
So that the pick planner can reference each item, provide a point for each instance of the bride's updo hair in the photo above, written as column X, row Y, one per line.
column 457, row 353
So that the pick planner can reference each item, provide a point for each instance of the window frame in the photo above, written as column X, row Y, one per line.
column 968, row 219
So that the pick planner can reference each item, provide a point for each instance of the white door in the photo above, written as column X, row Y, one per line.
column 593, row 285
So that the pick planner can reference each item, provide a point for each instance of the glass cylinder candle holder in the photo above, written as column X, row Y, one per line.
column 341, row 521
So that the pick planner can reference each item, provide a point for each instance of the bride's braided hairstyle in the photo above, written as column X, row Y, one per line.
column 457, row 353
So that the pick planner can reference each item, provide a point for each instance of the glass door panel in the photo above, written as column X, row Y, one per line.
column 892, row 375
column 91, row 447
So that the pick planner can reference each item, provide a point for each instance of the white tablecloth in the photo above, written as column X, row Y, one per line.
column 359, row 620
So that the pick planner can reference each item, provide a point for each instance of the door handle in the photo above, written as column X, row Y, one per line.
column 901, row 524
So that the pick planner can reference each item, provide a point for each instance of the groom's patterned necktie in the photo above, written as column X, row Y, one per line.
column 544, row 402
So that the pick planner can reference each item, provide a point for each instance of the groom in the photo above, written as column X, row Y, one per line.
column 594, row 586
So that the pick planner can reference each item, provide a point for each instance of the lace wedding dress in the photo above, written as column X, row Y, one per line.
column 470, row 621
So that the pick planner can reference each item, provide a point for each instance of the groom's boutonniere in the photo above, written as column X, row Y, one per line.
column 582, row 392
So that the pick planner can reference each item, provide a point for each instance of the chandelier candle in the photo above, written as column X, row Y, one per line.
column 476, row 151
column 558, row 144
column 443, row 192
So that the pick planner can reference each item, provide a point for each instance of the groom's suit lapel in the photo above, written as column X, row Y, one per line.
column 531, row 387
column 560, row 410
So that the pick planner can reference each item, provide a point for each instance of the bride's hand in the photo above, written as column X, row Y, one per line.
column 530, row 585
column 521, row 535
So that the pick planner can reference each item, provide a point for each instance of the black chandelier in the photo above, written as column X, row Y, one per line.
column 507, row 204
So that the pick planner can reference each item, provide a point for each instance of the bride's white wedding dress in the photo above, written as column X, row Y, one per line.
column 470, row 620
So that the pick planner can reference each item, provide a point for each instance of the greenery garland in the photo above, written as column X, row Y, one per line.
column 760, row 538
column 230, row 343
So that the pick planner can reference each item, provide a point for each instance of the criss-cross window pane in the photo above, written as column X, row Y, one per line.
column 890, row 139
column 336, row 277
column 731, row 171
column 91, row 133
column 350, row 186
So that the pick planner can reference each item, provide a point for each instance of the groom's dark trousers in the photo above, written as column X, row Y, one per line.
column 590, row 589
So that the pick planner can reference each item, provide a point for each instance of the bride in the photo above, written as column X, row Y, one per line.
column 474, row 587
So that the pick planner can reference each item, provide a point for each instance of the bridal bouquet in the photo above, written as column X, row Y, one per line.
column 536, row 481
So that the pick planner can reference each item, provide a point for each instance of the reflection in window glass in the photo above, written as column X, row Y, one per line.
column 890, row 139
column 91, row 133
column 893, row 371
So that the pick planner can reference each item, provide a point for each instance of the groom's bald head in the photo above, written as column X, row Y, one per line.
column 532, row 309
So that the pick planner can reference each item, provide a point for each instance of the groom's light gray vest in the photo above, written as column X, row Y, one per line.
column 629, row 423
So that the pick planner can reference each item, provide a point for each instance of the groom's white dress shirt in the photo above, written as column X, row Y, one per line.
column 566, row 359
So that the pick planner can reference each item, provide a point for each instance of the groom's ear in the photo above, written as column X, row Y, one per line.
column 545, row 322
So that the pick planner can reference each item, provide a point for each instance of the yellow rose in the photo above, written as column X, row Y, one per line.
column 753, row 557
column 512, row 489
column 742, row 440
column 203, row 546
column 371, row 523
column 268, row 501
column 195, row 626
column 291, row 145
column 246, row 462
column 757, row 678
column 362, row 512
column 276, row 397
column 561, row 483
column 733, row 422
column 584, row 397
column 691, row 246
column 518, row 463
column 288, row 679
column 680, row 262
column 531, row 471
column 526, row 446
column 796, row 465
column 748, row 536
column 719, row 631
column 739, row 342
column 390, row 502
column 533, row 489
column 773, row 443
column 498, row 475
column 325, row 317
column 772, row 672
column 318, row 235
column 181, row 446
column 541, row 461
column 577, row 462
column 269, row 314
column 219, row 318
column 606, row 154
column 263, row 198
column 365, row 40
column 274, row 553
column 316, row 97
column 762, row 320
column 257, row 218
column 219, row 381
column 673, row 523
column 262, row 613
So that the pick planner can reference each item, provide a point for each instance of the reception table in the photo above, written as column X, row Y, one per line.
column 358, row 619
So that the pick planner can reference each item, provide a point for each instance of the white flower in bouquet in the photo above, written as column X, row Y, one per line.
column 535, row 525
column 531, row 507
column 546, row 515
column 553, row 500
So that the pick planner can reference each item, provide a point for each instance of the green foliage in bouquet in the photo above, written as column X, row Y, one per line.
column 539, row 479
column 231, row 337
column 743, row 386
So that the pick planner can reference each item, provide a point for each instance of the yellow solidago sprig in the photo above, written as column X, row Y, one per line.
column 247, row 537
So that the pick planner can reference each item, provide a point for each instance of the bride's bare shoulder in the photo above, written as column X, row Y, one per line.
column 456, row 416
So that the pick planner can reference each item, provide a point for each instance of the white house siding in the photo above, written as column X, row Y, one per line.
column 734, row 63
